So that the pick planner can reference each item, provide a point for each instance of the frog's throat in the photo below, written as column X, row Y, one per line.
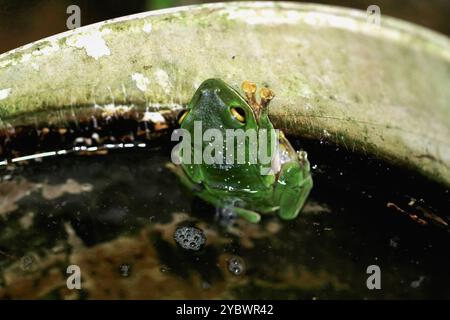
column 259, row 108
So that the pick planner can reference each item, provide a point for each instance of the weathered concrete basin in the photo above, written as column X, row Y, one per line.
column 377, row 89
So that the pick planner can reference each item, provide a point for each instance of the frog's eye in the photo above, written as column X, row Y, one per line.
column 182, row 116
column 238, row 113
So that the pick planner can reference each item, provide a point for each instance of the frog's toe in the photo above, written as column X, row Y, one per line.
column 303, row 158
column 248, row 215
column 302, row 155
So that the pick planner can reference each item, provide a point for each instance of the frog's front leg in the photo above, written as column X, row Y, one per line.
column 246, row 214
column 293, row 186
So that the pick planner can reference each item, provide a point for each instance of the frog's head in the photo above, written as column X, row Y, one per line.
column 220, row 106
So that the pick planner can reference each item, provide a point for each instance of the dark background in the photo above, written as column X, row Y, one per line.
column 24, row 21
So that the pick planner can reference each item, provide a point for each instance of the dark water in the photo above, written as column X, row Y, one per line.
column 115, row 213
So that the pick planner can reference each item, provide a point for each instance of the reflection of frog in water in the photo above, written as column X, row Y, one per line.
column 242, row 185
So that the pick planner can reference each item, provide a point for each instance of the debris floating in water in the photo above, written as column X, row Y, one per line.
column 415, row 284
column 236, row 266
column 190, row 238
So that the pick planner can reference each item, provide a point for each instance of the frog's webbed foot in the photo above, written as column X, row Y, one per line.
column 294, row 184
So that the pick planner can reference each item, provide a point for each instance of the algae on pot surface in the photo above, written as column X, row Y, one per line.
column 354, row 90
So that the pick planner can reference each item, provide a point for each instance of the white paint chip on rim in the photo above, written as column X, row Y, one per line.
column 26, row 57
column 47, row 50
column 147, row 27
column 142, row 81
column 162, row 78
column 4, row 93
column 92, row 42
column 154, row 117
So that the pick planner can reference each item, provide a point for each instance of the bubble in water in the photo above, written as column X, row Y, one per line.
column 27, row 262
column 236, row 266
column 206, row 285
column 124, row 270
column 163, row 269
column 190, row 238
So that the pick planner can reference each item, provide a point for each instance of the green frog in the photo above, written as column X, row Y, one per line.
column 251, row 186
